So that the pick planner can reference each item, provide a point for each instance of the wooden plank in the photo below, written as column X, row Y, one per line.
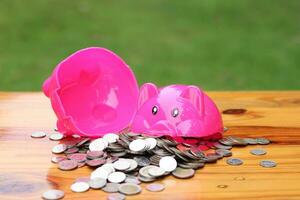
column 26, row 170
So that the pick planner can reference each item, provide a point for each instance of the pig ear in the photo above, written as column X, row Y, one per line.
column 147, row 91
column 196, row 96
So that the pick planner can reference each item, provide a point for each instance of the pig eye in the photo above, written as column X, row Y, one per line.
column 154, row 110
column 175, row 112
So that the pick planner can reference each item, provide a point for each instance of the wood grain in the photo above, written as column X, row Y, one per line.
column 26, row 170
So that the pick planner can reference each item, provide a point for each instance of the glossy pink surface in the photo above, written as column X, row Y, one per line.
column 92, row 92
column 176, row 110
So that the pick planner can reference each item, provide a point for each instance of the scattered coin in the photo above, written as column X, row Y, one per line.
column 234, row 161
column 156, row 171
column 155, row 187
column 98, row 145
column 116, row 177
column 96, row 162
column 53, row 195
column 97, row 183
column 137, row 145
column 144, row 171
column 129, row 188
column 67, row 165
column 142, row 161
column 152, row 142
column 60, row 148
column 258, row 152
column 132, row 180
column 71, row 150
column 111, row 137
column 38, row 134
column 79, row 157
column 263, row 141
column 132, row 165
column 57, row 159
column 56, row 136
column 267, row 163
column 81, row 164
column 224, row 152
column 183, row 173
column 109, row 167
column 121, row 165
column 145, row 179
column 94, row 154
column 101, row 172
column 111, row 187
column 251, row 141
column 221, row 146
column 80, row 187
column 168, row 163
column 138, row 158
column 116, row 196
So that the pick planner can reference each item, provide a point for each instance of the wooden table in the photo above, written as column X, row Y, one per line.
column 26, row 170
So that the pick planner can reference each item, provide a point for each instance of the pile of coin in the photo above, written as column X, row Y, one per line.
column 122, row 161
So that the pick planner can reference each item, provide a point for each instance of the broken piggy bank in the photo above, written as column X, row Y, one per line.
column 176, row 110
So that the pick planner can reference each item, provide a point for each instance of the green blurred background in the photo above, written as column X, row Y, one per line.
column 219, row 45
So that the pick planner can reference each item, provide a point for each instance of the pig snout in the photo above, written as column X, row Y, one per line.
column 163, row 128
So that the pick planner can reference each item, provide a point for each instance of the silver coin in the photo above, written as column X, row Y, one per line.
column 132, row 180
column 38, row 134
column 221, row 146
column 268, row 163
column 98, row 145
column 138, row 145
column 168, row 163
column 97, row 183
column 102, row 172
column 108, row 167
column 116, row 177
column 155, row 187
column 53, row 195
column 142, row 161
column 183, row 173
column 152, row 142
column 121, row 164
column 80, row 187
column 56, row 136
column 224, row 152
column 234, row 161
column 59, row 148
column 111, row 187
column 144, row 171
column 116, row 196
column 146, row 179
column 156, row 171
column 251, row 141
column 129, row 188
column 258, row 152
column 263, row 141
column 57, row 159
column 111, row 137
column 133, row 165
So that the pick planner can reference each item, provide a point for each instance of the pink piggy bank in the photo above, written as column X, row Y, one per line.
column 92, row 92
column 176, row 110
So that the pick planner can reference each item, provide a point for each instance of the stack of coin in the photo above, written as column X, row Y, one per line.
column 122, row 161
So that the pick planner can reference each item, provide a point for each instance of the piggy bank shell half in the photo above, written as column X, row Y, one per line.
column 177, row 111
column 92, row 92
